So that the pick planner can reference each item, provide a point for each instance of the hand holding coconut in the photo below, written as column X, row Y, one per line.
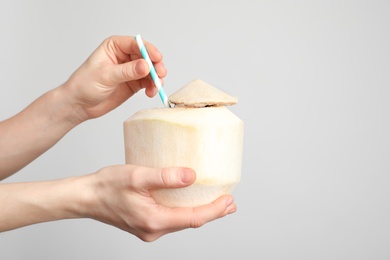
column 123, row 195
column 123, row 198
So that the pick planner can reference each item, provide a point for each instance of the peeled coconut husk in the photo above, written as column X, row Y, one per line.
column 198, row 93
column 200, row 132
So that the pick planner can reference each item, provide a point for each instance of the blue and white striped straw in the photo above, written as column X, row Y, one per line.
column 153, row 72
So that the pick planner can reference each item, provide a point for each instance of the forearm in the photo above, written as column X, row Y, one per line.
column 23, row 204
column 34, row 130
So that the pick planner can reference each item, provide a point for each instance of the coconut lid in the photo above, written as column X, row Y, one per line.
column 198, row 93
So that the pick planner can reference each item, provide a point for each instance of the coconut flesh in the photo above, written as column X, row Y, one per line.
column 199, row 132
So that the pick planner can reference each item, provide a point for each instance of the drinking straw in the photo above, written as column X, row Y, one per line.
column 153, row 72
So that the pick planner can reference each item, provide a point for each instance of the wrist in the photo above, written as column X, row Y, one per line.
column 67, row 107
column 64, row 198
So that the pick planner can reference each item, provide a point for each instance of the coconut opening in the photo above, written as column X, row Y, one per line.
column 198, row 93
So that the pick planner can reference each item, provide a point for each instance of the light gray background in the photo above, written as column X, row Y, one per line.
column 312, row 78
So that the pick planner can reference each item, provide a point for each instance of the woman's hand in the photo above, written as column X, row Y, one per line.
column 116, row 195
column 121, row 196
column 114, row 72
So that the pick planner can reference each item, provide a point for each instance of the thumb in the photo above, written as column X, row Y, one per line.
column 129, row 71
column 175, row 177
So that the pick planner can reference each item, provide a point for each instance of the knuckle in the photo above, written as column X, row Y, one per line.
column 133, row 178
column 148, row 237
column 149, row 229
column 196, row 223
column 128, row 73
column 150, row 225
column 166, row 176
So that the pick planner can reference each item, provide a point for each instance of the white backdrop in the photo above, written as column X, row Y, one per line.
column 312, row 78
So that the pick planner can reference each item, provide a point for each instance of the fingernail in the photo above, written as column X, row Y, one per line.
column 231, row 210
column 229, row 202
column 187, row 175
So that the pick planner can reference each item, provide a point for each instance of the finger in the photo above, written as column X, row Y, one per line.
column 151, row 91
column 126, row 44
column 129, row 71
column 131, row 47
column 150, row 88
column 182, row 218
column 160, row 69
column 154, row 54
column 152, row 178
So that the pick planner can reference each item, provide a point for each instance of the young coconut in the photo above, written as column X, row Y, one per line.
column 200, row 132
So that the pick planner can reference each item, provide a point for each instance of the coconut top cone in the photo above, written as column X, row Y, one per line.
column 198, row 93
column 200, row 132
